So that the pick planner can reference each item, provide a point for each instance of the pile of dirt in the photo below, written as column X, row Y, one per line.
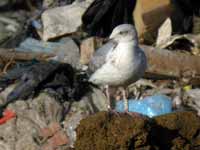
column 108, row 131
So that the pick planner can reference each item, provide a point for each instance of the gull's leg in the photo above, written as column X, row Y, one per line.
column 108, row 97
column 125, row 100
column 111, row 111
column 132, row 114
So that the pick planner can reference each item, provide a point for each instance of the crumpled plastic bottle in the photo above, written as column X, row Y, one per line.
column 150, row 106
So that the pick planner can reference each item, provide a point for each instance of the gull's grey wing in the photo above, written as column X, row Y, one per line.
column 99, row 57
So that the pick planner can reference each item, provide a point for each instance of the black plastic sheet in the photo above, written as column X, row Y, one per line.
column 104, row 15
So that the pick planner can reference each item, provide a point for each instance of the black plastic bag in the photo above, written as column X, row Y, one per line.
column 104, row 15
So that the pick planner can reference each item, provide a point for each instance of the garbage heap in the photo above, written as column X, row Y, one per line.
column 46, row 101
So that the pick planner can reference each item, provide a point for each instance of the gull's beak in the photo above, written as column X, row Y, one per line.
column 112, row 36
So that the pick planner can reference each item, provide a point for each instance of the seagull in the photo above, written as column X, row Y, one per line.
column 119, row 62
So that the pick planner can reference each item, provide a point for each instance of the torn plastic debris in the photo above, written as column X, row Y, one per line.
column 34, row 45
column 7, row 115
column 65, row 50
column 151, row 106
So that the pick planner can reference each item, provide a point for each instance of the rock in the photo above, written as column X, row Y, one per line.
column 105, row 131
column 63, row 20
column 88, row 47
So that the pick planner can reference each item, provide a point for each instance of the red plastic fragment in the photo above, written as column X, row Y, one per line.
column 7, row 115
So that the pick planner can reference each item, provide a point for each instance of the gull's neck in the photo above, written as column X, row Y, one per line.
column 129, row 43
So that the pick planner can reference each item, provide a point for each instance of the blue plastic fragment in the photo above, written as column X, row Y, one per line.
column 150, row 106
column 34, row 45
column 36, row 24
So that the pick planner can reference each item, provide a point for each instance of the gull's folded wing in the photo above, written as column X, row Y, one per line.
column 100, row 56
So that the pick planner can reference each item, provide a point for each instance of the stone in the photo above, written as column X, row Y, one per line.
column 63, row 20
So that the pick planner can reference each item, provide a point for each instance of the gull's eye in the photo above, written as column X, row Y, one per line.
column 125, row 32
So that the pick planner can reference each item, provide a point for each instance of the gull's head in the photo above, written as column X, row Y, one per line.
column 124, row 33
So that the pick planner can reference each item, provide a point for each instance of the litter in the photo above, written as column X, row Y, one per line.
column 151, row 106
column 7, row 115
